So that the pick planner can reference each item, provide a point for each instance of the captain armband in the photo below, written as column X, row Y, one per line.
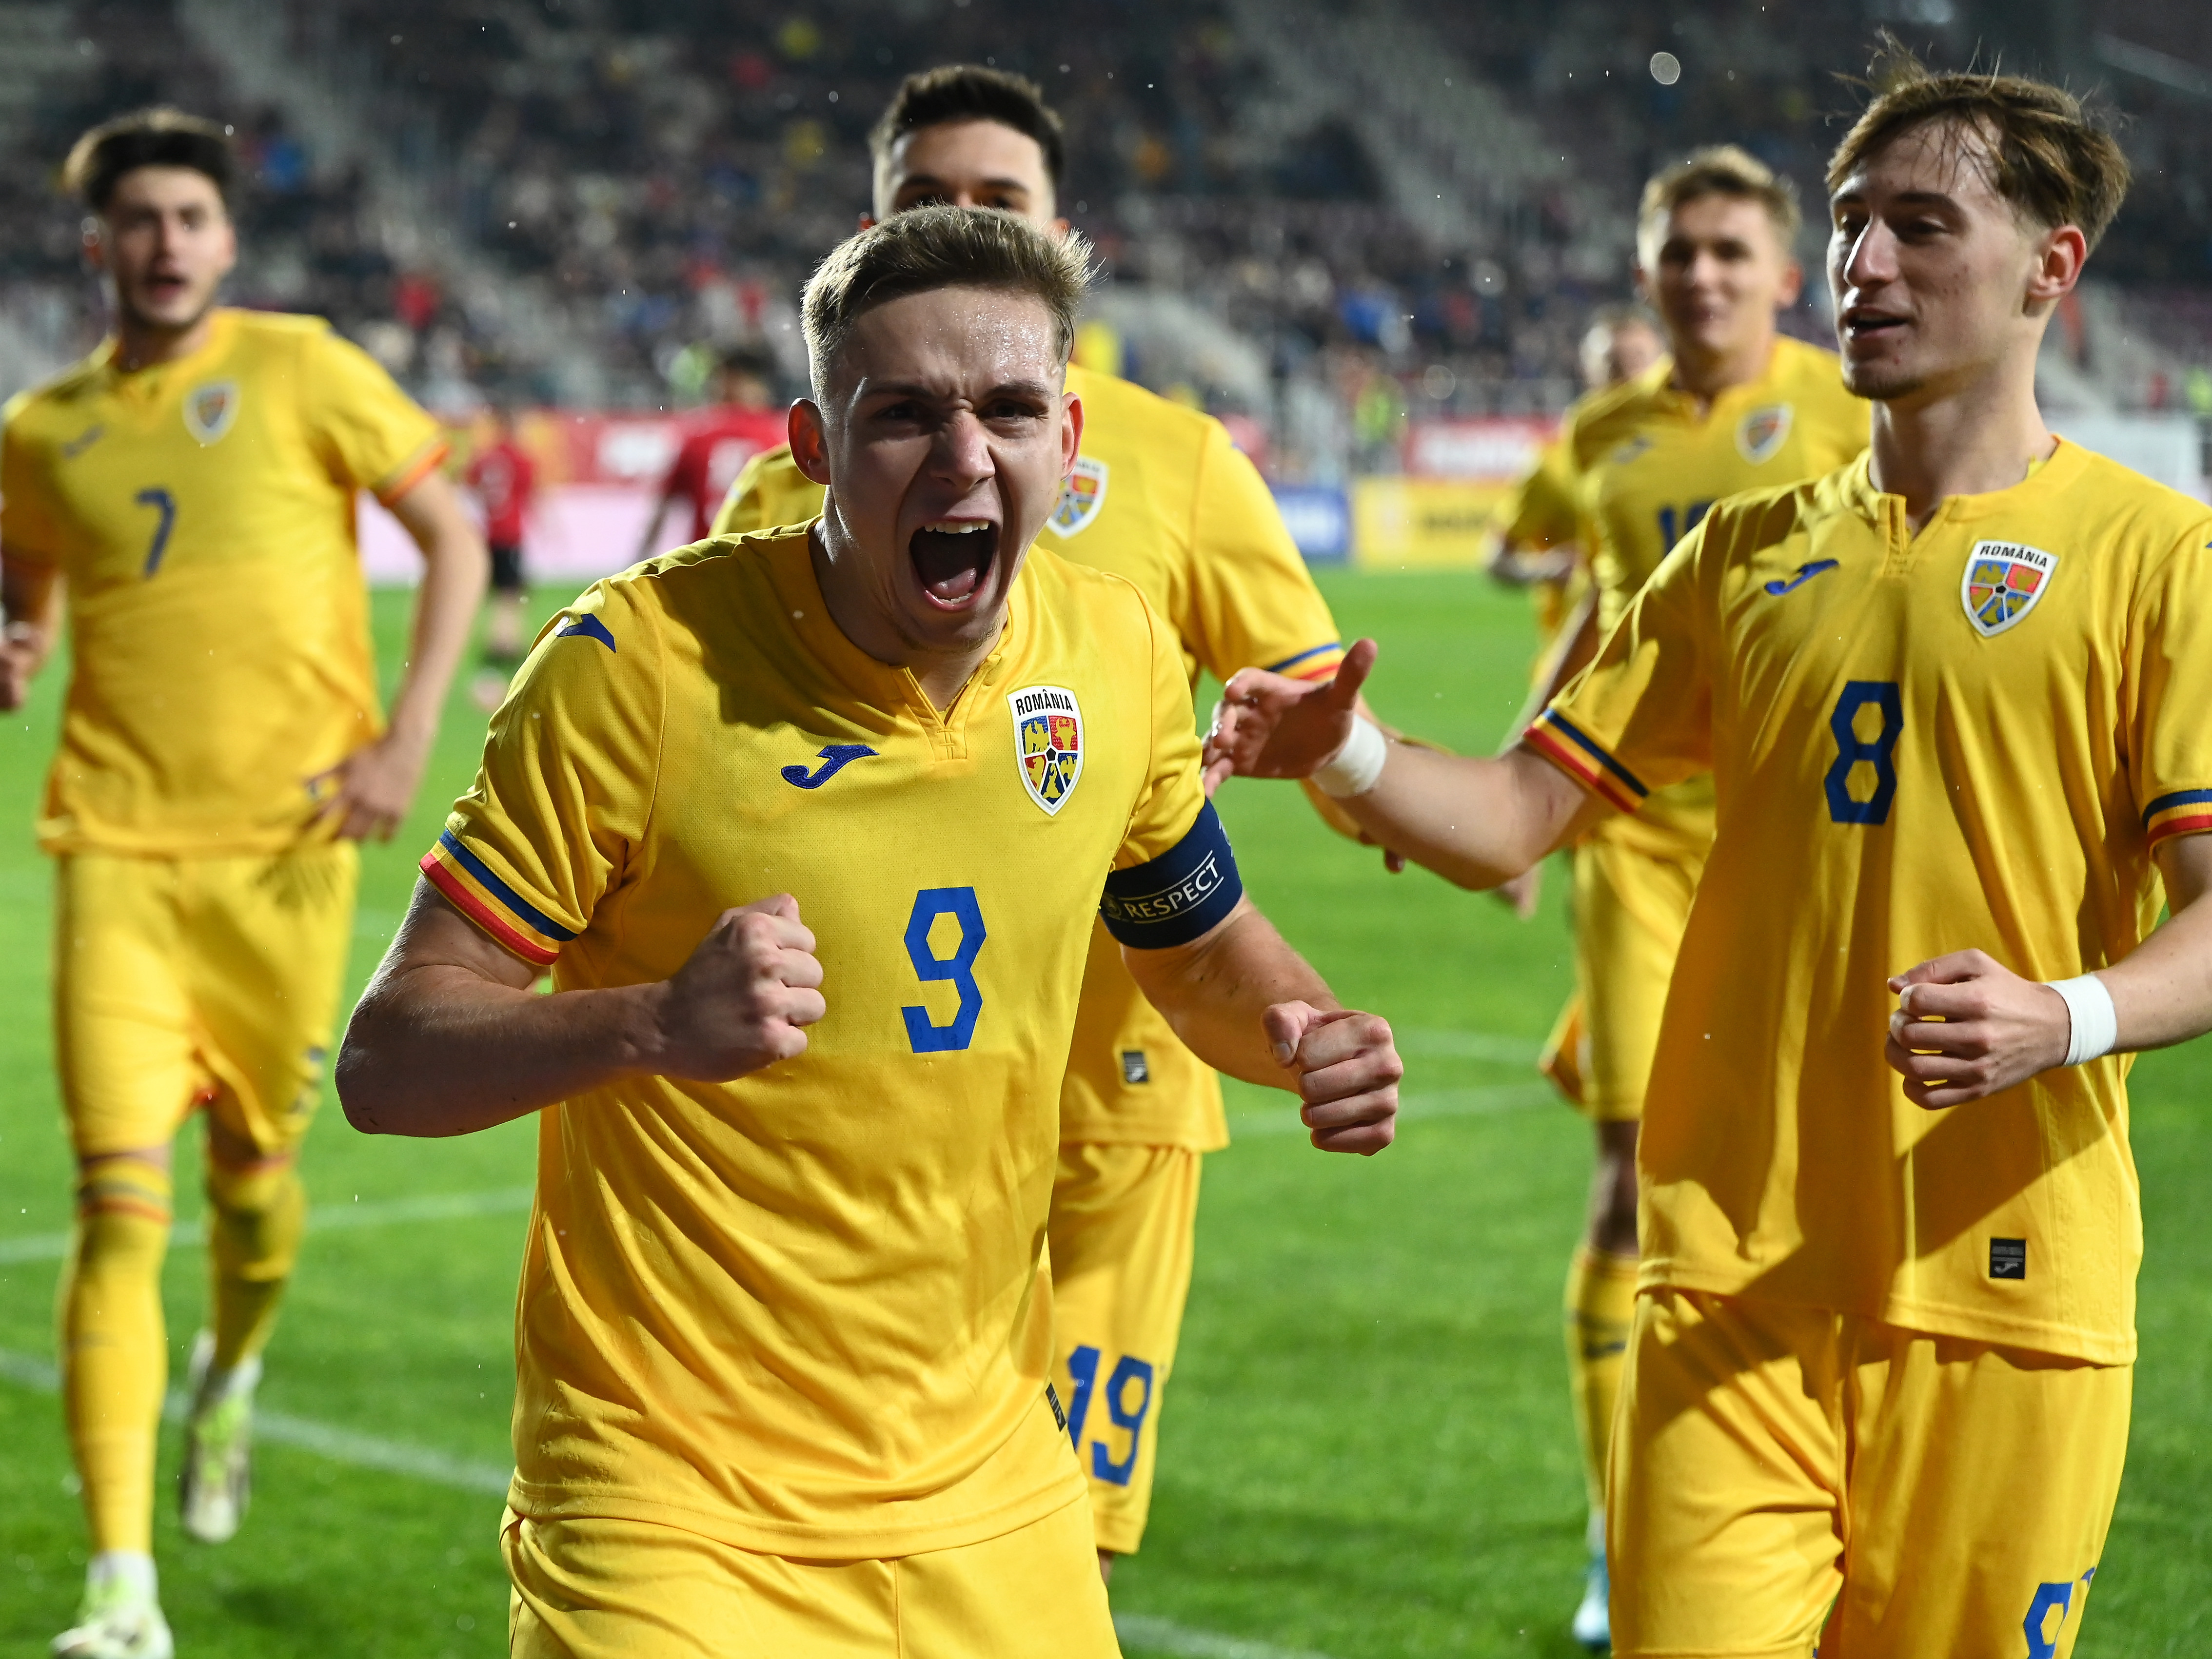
column 1177, row 897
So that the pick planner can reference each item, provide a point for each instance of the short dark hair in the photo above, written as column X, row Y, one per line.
column 157, row 137
column 2047, row 155
column 968, row 92
column 925, row 249
column 756, row 362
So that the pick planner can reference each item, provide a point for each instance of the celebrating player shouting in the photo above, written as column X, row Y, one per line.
column 192, row 484
column 1732, row 406
column 809, row 827
column 1952, row 697
column 1158, row 495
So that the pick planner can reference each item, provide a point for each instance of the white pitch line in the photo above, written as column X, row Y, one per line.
column 1165, row 1635
column 339, row 1445
column 1429, row 1103
column 332, row 1218
column 1470, row 1045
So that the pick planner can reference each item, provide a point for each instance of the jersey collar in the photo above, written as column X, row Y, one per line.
column 2045, row 485
column 155, row 380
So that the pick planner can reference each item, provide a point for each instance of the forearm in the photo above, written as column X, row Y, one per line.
column 1476, row 821
column 2161, row 990
column 1214, row 993
column 455, row 572
column 437, row 1050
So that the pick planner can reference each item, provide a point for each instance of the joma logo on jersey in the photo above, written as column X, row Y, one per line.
column 2003, row 581
column 1762, row 432
column 1080, row 497
column 210, row 409
column 1047, row 742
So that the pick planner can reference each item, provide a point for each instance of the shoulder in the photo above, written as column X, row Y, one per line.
column 274, row 333
column 1815, row 376
column 1121, row 416
column 54, row 396
column 1096, row 601
column 2124, row 506
column 1738, row 527
column 1612, row 413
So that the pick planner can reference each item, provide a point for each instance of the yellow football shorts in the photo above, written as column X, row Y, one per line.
column 1784, row 1475
column 190, row 981
column 1121, row 1235
column 628, row 1589
column 1631, row 908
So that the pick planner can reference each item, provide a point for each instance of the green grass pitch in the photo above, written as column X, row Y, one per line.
column 1366, row 1450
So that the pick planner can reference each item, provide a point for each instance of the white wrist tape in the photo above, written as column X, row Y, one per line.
column 1353, row 769
column 2096, row 1022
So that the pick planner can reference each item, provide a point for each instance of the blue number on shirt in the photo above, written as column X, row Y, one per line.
column 166, row 504
column 929, row 903
column 1127, row 1370
column 1083, row 1366
column 1851, row 748
column 1668, row 517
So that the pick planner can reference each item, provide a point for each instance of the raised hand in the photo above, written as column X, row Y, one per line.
column 1267, row 726
column 1347, row 1070
column 744, row 997
column 1990, row 1030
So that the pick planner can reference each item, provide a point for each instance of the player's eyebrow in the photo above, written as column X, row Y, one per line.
column 1038, row 389
column 931, row 181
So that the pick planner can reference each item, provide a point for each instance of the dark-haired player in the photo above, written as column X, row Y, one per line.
column 1952, row 698
column 1160, row 495
column 811, row 825
column 191, row 486
column 504, row 479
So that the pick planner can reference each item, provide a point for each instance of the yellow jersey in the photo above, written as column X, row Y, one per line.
column 1645, row 466
column 1542, row 513
column 1160, row 495
column 807, row 1312
column 1971, row 736
column 201, row 513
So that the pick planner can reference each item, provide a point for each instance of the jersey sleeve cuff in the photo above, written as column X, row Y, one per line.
column 1319, row 663
column 412, row 471
column 474, row 889
column 1177, row 897
column 1578, row 755
column 2183, row 812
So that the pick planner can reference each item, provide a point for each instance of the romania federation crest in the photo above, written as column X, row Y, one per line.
column 2003, row 581
column 1762, row 432
column 1080, row 497
column 209, row 409
column 1047, row 742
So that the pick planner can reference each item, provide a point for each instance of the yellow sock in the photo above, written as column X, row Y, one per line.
column 115, row 1357
column 255, row 1217
column 1601, row 1302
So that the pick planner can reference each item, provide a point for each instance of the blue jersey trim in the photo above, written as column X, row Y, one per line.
column 591, row 628
column 1290, row 663
column 499, row 890
column 1589, row 746
column 2178, row 798
column 1175, row 898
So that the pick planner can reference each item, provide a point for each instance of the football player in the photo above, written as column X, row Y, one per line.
column 808, row 825
column 1160, row 495
column 191, row 486
column 1732, row 405
column 1951, row 697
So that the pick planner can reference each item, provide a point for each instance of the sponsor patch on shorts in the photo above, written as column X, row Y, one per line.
column 1133, row 1068
column 2008, row 1258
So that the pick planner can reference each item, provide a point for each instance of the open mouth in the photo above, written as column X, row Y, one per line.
column 1870, row 324
column 952, row 559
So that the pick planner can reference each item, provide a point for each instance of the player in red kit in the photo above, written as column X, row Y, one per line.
column 505, row 481
column 743, row 420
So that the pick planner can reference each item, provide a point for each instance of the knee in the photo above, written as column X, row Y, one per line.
column 258, row 1212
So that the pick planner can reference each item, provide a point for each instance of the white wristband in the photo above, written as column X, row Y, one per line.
column 2096, row 1022
column 1353, row 768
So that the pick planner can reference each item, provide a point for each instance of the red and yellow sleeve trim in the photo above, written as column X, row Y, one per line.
column 1319, row 663
column 515, row 924
column 413, row 470
column 2184, row 812
column 1576, row 753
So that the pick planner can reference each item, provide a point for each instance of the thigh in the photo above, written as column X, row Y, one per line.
column 1120, row 1233
column 1724, row 1492
column 1980, row 1494
column 123, row 1037
column 268, row 940
column 597, row 1589
column 1032, row 1591
column 1630, row 910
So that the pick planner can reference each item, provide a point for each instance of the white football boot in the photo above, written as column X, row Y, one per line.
column 217, row 1481
column 1593, row 1622
column 120, row 1617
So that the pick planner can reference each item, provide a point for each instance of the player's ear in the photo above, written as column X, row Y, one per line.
column 1071, row 432
column 810, row 442
column 96, row 245
column 2060, row 256
column 1792, row 285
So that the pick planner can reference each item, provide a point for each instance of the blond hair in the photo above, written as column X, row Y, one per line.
column 1720, row 170
column 2041, row 151
column 925, row 249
